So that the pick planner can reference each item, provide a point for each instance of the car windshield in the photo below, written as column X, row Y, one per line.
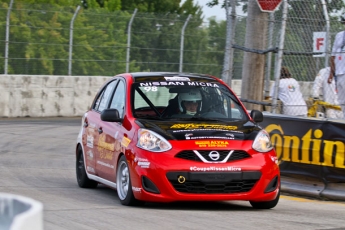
column 190, row 100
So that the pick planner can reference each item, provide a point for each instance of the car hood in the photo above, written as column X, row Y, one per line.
column 198, row 130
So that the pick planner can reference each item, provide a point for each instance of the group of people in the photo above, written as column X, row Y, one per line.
column 329, row 82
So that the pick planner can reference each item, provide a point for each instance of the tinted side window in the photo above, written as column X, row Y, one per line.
column 118, row 101
column 103, row 99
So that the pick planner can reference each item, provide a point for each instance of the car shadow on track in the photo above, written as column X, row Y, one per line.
column 185, row 205
column 201, row 205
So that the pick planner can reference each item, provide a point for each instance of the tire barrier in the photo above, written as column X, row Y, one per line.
column 19, row 213
column 311, row 153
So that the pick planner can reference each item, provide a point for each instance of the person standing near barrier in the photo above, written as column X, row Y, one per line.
column 328, row 92
column 337, row 65
column 290, row 94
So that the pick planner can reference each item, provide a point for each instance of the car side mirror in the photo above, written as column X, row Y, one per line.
column 257, row 115
column 111, row 115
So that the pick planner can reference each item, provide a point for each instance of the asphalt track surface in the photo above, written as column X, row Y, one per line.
column 37, row 161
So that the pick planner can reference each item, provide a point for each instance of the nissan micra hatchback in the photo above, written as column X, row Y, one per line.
column 164, row 137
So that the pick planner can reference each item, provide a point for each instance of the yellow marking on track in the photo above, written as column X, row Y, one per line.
column 311, row 200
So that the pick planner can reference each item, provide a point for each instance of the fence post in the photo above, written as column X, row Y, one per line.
column 182, row 41
column 129, row 38
column 269, row 55
column 325, row 12
column 228, row 56
column 226, row 65
column 7, row 36
column 71, row 41
column 280, row 57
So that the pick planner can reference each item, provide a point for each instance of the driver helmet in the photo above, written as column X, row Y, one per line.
column 193, row 95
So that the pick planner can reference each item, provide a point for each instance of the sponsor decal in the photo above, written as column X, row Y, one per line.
column 125, row 141
column 188, row 136
column 192, row 126
column 230, row 135
column 215, row 169
column 298, row 148
column 208, row 144
column 177, row 78
column 210, row 137
column 89, row 154
column 90, row 169
column 275, row 160
column 105, row 149
column 89, row 141
column 105, row 145
column 136, row 189
column 105, row 164
column 144, row 164
column 187, row 83
column 136, row 159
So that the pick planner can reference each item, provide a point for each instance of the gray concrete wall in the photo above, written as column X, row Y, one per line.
column 47, row 96
column 51, row 96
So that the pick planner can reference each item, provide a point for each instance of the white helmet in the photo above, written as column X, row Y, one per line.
column 193, row 95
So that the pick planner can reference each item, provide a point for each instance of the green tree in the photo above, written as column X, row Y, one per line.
column 155, row 6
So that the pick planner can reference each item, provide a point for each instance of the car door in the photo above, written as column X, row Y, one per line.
column 91, row 123
column 110, row 143
column 90, row 134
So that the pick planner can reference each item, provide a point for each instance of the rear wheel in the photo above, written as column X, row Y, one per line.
column 265, row 204
column 124, row 185
column 83, row 180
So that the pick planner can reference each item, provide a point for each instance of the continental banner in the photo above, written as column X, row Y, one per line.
column 308, row 146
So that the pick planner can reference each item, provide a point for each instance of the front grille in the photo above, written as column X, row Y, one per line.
column 191, row 155
column 222, row 183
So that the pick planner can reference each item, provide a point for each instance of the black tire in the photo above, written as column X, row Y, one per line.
column 83, row 180
column 124, row 185
column 266, row 204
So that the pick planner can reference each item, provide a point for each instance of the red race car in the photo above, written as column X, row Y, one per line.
column 164, row 137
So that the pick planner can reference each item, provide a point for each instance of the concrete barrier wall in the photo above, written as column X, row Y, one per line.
column 19, row 213
column 51, row 96
column 47, row 96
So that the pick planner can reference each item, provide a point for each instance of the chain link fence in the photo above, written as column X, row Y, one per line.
column 51, row 40
column 308, row 34
column 40, row 37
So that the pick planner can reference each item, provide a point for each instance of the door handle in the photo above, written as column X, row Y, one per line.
column 100, row 130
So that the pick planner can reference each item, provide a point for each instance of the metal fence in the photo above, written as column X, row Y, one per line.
column 46, row 39
column 49, row 40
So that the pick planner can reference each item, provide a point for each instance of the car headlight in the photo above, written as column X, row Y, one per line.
column 152, row 141
column 262, row 142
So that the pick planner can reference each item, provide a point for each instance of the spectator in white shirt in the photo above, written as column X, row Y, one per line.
column 328, row 92
column 290, row 95
column 337, row 64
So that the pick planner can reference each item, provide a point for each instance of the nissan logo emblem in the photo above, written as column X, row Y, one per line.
column 214, row 155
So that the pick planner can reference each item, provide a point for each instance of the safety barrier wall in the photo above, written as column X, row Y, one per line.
column 19, row 213
column 47, row 96
column 51, row 96
column 311, row 153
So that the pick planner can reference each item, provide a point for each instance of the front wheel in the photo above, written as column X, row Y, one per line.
column 266, row 204
column 124, row 185
column 83, row 180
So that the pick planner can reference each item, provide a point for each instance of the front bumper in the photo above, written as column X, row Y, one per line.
column 164, row 178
